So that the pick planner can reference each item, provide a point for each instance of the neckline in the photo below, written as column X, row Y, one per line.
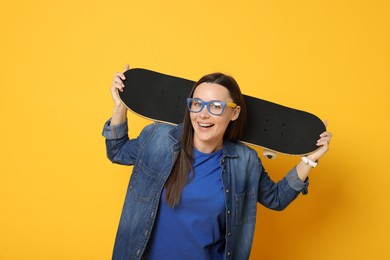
column 219, row 151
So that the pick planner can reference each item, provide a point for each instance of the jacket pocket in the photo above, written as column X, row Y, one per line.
column 144, row 183
column 245, row 204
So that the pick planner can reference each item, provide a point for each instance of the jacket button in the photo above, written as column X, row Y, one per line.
column 223, row 160
column 227, row 191
column 229, row 233
column 228, row 253
column 228, row 211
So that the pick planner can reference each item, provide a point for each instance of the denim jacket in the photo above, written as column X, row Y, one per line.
column 153, row 155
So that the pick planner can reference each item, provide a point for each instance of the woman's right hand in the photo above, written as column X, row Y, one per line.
column 120, row 111
column 117, row 85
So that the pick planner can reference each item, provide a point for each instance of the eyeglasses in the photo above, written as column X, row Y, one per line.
column 215, row 107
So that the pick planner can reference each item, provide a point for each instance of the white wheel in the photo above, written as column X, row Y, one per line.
column 269, row 154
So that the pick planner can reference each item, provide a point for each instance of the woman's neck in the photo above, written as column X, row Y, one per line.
column 208, row 147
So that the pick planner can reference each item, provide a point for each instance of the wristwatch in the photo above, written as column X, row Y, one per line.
column 309, row 162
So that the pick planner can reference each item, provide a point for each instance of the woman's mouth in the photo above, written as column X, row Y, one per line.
column 203, row 125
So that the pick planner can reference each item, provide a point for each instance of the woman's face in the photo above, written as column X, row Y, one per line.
column 210, row 129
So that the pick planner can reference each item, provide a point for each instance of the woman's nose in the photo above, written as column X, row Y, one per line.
column 204, row 113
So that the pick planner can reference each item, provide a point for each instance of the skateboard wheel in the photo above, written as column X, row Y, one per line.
column 269, row 154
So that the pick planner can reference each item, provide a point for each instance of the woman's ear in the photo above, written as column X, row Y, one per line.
column 236, row 113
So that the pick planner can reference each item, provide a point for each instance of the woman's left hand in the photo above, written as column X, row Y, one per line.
column 324, row 141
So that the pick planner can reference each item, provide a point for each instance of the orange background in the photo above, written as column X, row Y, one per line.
column 60, row 198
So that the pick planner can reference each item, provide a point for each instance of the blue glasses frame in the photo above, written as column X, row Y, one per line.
column 207, row 104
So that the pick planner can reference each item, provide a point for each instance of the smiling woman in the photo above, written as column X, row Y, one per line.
column 194, row 189
column 210, row 125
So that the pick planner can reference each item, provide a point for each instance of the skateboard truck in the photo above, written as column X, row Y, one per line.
column 269, row 154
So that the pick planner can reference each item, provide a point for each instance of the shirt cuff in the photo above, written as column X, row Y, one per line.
column 115, row 131
column 296, row 183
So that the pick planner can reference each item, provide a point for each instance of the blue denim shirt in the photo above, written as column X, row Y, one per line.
column 153, row 155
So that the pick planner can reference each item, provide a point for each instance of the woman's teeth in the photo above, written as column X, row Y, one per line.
column 205, row 125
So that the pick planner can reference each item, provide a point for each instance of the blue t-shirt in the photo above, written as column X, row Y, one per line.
column 195, row 229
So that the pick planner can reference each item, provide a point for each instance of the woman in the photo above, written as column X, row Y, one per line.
column 194, row 188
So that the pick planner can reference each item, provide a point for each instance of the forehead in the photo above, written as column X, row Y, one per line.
column 211, row 91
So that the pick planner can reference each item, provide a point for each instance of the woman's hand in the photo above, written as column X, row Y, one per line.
column 323, row 142
column 302, row 168
column 117, row 85
column 120, row 111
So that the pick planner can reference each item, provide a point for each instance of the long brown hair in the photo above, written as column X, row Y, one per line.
column 184, row 163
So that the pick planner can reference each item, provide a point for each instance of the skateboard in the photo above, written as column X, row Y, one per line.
column 273, row 127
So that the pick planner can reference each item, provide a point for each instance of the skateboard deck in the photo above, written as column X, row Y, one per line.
column 162, row 98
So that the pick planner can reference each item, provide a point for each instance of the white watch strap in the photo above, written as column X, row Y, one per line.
column 308, row 161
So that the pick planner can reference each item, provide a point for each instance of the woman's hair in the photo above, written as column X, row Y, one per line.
column 183, row 166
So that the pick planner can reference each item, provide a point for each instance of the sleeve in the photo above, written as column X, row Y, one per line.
column 119, row 148
column 296, row 183
column 116, row 131
column 279, row 195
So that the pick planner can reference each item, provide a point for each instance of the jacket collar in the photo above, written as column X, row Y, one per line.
column 175, row 133
column 230, row 149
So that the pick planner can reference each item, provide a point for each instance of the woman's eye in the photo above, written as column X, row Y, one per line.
column 216, row 105
column 197, row 104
